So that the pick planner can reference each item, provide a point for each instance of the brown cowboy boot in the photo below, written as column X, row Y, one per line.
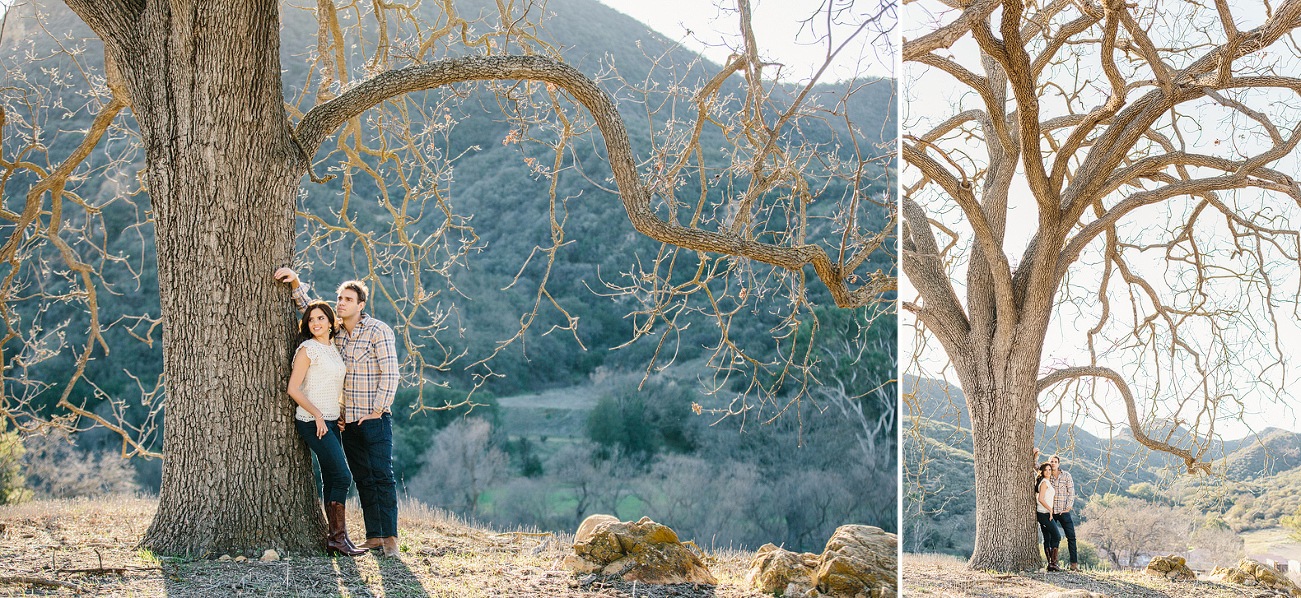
column 1075, row 566
column 336, row 541
column 391, row 546
column 1052, row 559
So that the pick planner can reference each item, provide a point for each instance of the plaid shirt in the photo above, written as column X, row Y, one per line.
column 370, row 352
column 1065, row 487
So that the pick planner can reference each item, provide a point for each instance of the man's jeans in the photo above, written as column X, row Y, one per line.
column 334, row 470
column 1068, row 530
column 369, row 446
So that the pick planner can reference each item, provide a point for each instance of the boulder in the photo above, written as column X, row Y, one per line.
column 778, row 571
column 643, row 551
column 1169, row 567
column 1253, row 573
column 859, row 559
column 270, row 555
column 585, row 529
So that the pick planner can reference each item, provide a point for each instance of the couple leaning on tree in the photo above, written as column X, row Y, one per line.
column 1054, row 498
column 345, row 375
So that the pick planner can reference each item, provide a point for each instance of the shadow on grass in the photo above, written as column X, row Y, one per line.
column 398, row 580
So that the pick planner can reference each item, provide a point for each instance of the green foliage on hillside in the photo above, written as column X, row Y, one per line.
column 13, row 487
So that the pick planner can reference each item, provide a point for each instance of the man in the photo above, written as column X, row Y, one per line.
column 370, row 352
column 1063, row 501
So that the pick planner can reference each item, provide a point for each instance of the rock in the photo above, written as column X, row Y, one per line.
column 859, row 559
column 777, row 571
column 1169, row 567
column 1253, row 573
column 224, row 557
column 588, row 525
column 1075, row 594
column 240, row 559
column 644, row 551
column 270, row 555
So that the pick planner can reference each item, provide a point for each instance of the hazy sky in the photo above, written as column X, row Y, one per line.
column 710, row 28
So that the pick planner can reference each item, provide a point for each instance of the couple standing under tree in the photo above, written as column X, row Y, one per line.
column 1054, row 498
column 345, row 375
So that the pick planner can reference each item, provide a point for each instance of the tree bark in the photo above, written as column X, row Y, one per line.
column 1002, row 446
column 222, row 170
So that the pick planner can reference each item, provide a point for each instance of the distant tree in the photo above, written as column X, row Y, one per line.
column 643, row 420
column 1146, row 492
column 57, row 469
column 1222, row 545
column 1124, row 528
column 573, row 466
column 461, row 464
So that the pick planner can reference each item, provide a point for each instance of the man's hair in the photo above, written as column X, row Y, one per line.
column 355, row 286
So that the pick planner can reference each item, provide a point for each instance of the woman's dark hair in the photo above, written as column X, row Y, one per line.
column 304, row 332
column 1041, row 477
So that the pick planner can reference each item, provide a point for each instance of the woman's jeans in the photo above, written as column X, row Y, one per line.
column 335, row 477
column 1051, row 538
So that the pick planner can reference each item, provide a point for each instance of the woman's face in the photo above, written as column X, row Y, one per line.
column 318, row 323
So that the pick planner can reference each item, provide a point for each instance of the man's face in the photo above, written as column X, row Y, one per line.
column 1057, row 463
column 346, row 304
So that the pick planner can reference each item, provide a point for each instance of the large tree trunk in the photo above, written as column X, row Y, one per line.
column 222, row 170
column 1002, row 446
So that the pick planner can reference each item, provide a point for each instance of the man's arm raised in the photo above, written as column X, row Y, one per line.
column 298, row 290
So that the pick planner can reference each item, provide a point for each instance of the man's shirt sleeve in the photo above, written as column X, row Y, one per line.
column 1070, row 491
column 386, row 357
column 301, row 298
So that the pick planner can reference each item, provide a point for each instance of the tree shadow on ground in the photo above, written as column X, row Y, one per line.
column 604, row 585
column 397, row 579
column 1000, row 586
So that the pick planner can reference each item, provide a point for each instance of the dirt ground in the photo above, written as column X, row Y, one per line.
column 87, row 548
column 943, row 576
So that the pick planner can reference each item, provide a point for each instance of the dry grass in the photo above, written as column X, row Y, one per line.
column 89, row 546
column 945, row 576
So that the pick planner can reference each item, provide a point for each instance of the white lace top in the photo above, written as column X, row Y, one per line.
column 1045, row 490
column 323, row 383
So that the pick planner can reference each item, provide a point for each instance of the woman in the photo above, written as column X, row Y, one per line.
column 1043, row 496
column 316, row 384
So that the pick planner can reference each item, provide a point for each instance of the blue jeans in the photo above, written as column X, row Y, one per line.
column 1051, row 538
column 335, row 477
column 1068, row 529
column 369, row 446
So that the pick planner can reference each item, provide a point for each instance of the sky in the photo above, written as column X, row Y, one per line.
column 709, row 27
column 937, row 96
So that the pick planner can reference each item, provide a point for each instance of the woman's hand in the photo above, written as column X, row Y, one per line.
column 321, row 429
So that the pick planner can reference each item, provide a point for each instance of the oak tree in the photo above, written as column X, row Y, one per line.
column 1148, row 141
